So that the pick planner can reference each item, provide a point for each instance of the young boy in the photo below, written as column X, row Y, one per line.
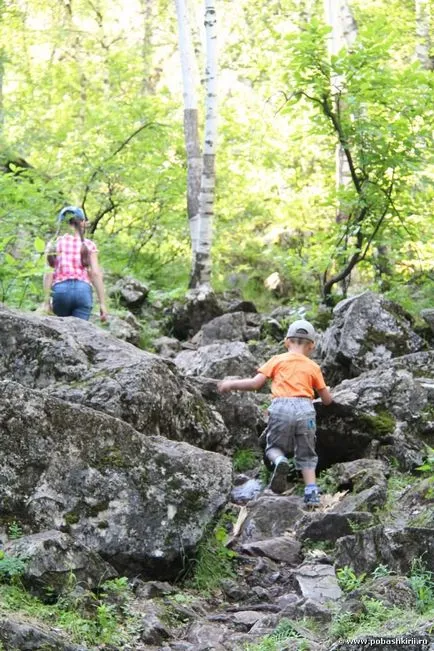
column 291, row 425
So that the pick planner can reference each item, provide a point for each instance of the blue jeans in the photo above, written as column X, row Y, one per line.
column 72, row 298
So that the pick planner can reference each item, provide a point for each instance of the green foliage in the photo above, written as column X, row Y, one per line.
column 348, row 579
column 265, row 475
column 367, row 621
column 421, row 580
column 428, row 464
column 99, row 120
column 283, row 632
column 244, row 460
column 327, row 481
column 11, row 567
column 86, row 620
column 381, row 570
column 15, row 530
column 213, row 563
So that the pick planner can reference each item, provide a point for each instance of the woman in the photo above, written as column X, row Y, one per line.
column 75, row 267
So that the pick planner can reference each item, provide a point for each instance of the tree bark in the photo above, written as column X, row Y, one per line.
column 343, row 34
column 201, row 272
column 191, row 129
column 423, row 38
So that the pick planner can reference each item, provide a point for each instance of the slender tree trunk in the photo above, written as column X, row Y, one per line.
column 423, row 38
column 201, row 272
column 191, row 129
column 2, row 73
column 77, row 56
column 343, row 34
column 146, row 12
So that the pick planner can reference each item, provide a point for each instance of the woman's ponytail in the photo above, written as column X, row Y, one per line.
column 84, row 251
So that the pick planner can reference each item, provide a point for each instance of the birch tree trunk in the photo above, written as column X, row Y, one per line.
column 423, row 39
column 191, row 129
column 344, row 32
column 201, row 271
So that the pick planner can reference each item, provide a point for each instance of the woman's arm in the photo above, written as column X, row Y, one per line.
column 48, row 282
column 95, row 276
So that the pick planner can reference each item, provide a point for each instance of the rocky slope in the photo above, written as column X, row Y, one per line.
column 117, row 462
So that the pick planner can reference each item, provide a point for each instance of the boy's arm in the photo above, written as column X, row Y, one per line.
column 325, row 395
column 246, row 384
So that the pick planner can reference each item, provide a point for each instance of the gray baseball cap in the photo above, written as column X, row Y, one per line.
column 301, row 329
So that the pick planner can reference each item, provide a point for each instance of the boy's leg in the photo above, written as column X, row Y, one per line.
column 279, row 445
column 306, row 458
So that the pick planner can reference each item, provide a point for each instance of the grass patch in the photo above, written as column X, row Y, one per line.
column 348, row 579
column 213, row 562
column 87, row 619
column 244, row 460
column 283, row 632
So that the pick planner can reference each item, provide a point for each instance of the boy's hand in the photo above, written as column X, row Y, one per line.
column 224, row 386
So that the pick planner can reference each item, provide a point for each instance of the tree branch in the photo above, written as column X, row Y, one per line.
column 122, row 146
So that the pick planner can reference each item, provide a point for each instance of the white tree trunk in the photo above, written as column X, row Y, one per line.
column 201, row 272
column 343, row 34
column 423, row 42
column 191, row 129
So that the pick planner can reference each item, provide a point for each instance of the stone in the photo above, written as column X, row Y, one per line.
column 188, row 317
column 167, row 346
column 317, row 582
column 331, row 526
column 367, row 331
column 206, row 636
column 386, row 405
column 126, row 328
column 270, row 516
column 77, row 362
column 359, row 474
column 391, row 590
column 397, row 549
column 130, row 292
column 141, row 502
column 217, row 361
column 282, row 549
column 428, row 316
column 51, row 556
column 244, row 413
column 247, row 491
column 235, row 326
column 152, row 629
column 18, row 633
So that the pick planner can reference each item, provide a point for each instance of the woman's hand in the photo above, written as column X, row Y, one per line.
column 103, row 314
column 46, row 308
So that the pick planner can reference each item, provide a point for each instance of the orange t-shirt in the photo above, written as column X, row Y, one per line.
column 293, row 375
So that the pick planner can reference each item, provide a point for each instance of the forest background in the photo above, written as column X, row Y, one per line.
column 91, row 114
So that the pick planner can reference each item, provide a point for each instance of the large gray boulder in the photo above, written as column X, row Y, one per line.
column 381, row 412
column 17, row 633
column 187, row 317
column 142, row 503
column 234, row 326
column 51, row 557
column 76, row 361
column 367, row 330
column 244, row 413
column 130, row 292
column 217, row 360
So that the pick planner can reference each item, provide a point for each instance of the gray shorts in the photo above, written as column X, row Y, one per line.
column 291, row 427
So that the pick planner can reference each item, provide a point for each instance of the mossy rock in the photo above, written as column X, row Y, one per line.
column 382, row 423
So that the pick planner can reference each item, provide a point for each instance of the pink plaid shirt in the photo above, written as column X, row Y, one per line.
column 68, row 259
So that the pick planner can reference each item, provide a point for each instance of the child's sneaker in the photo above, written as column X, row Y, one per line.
column 312, row 499
column 278, row 482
